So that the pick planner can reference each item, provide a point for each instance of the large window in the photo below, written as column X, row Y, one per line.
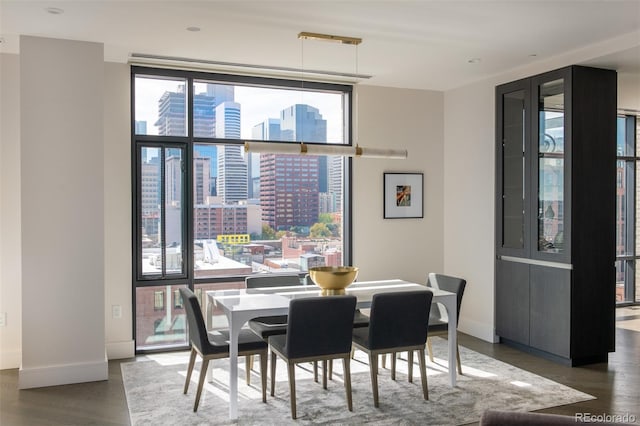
column 207, row 213
column 627, row 214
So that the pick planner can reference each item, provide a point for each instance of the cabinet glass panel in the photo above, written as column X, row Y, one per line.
column 513, row 169
column 551, row 167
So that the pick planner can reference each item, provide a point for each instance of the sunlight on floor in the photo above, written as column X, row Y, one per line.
column 168, row 358
column 628, row 318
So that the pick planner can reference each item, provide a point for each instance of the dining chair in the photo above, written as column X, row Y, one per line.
column 398, row 323
column 215, row 345
column 438, row 319
column 268, row 326
column 319, row 329
column 273, row 325
column 359, row 319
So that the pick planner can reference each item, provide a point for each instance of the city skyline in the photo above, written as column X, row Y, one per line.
column 258, row 104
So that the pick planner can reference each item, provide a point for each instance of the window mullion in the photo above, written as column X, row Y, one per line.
column 163, row 221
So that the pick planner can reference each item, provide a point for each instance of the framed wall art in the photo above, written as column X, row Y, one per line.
column 403, row 195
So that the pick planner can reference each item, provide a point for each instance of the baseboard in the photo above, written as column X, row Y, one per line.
column 63, row 374
column 120, row 350
column 10, row 359
column 478, row 329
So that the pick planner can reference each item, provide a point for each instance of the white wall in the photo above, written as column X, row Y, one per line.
column 629, row 92
column 469, row 202
column 398, row 118
column 10, row 243
column 117, row 209
column 62, row 212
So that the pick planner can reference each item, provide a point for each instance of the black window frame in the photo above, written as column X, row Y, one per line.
column 187, row 143
column 631, row 164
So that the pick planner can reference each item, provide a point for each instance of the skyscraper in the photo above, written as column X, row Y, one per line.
column 334, row 184
column 232, row 167
column 303, row 123
column 268, row 130
column 172, row 120
column 141, row 127
column 290, row 184
column 173, row 180
column 289, row 190
column 150, row 195
column 171, row 113
column 201, row 179
column 209, row 151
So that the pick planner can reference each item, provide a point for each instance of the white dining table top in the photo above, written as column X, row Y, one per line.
column 279, row 297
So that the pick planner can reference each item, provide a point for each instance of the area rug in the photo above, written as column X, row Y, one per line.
column 154, row 384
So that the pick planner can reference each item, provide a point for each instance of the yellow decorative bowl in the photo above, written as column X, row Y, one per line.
column 333, row 279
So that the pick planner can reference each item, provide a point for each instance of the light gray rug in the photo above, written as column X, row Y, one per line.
column 154, row 384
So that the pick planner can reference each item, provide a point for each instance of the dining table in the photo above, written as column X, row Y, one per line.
column 241, row 305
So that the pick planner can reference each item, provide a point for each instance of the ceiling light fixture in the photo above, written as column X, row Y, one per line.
column 54, row 10
column 474, row 60
column 323, row 149
column 193, row 29
column 301, row 148
column 328, row 37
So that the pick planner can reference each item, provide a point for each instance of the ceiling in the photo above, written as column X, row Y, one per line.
column 436, row 45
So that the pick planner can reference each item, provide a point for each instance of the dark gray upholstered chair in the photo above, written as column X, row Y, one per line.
column 276, row 324
column 359, row 319
column 438, row 325
column 398, row 323
column 319, row 329
column 214, row 345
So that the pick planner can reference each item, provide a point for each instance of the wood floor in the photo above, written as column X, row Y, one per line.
column 616, row 385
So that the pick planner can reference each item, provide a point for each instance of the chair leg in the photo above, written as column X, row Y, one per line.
column 292, row 388
column 247, row 366
column 203, row 375
column 410, row 362
column 315, row 371
column 192, row 361
column 353, row 352
column 263, row 374
column 393, row 365
column 346, row 366
column 250, row 362
column 384, row 360
column 458, row 360
column 373, row 363
column 324, row 374
column 273, row 373
column 330, row 369
column 423, row 374
column 430, row 349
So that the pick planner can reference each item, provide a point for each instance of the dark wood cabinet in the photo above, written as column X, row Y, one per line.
column 555, row 213
column 512, row 300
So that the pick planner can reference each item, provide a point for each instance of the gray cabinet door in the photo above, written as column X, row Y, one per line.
column 551, row 309
column 512, row 301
